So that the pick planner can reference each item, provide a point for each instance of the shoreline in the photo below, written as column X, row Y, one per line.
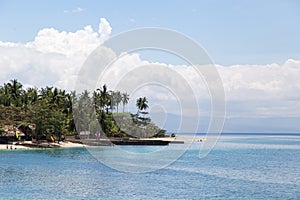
column 68, row 144
column 26, row 145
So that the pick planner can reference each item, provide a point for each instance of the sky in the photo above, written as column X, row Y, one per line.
column 254, row 44
column 232, row 31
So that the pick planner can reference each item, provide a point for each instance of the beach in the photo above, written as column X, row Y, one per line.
column 24, row 145
column 68, row 144
column 12, row 147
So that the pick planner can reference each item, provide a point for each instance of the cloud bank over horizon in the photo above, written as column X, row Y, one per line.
column 55, row 58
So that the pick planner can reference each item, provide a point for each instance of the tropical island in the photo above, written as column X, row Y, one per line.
column 51, row 115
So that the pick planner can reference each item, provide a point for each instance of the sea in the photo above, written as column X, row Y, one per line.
column 240, row 166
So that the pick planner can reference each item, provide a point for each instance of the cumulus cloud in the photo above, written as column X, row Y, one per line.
column 104, row 29
column 262, row 90
column 270, row 90
column 70, row 44
column 55, row 58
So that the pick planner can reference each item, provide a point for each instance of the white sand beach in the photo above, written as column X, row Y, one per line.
column 67, row 144
column 12, row 147
column 15, row 146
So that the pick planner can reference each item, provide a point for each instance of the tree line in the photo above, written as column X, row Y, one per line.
column 56, row 112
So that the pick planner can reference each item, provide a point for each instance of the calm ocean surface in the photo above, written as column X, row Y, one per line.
column 239, row 167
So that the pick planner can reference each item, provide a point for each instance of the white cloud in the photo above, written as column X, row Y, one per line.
column 262, row 90
column 79, row 43
column 251, row 90
column 261, row 82
column 55, row 57
column 76, row 10
column 104, row 29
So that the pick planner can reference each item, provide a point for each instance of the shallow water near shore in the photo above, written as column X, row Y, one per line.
column 239, row 167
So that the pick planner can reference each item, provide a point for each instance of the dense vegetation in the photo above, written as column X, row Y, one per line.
column 40, row 113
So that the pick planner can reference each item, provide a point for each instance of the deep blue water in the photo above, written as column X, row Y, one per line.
column 239, row 167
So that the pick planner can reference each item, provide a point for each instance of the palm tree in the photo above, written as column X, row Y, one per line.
column 46, row 94
column 125, row 100
column 104, row 98
column 111, row 100
column 32, row 94
column 141, row 104
column 6, row 95
column 16, row 90
column 116, row 99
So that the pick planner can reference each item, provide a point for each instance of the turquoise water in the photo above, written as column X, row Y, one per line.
column 240, row 167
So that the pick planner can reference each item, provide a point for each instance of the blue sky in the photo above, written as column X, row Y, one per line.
column 232, row 31
column 255, row 44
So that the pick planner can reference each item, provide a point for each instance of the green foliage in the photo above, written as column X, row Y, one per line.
column 56, row 112
column 49, row 109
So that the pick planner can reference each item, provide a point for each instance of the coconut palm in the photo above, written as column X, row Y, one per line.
column 125, row 100
column 142, row 104
column 5, row 95
column 15, row 88
column 32, row 94
column 16, row 91
column 116, row 99
column 104, row 100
